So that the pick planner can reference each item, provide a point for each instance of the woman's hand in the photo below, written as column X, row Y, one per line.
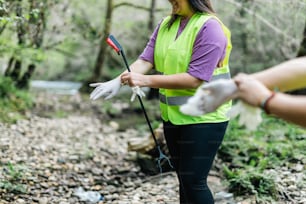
column 134, row 79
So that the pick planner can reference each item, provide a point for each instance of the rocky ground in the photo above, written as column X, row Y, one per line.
column 45, row 159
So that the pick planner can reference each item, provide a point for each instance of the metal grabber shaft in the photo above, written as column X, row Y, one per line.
column 111, row 40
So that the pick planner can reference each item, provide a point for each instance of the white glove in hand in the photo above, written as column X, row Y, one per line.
column 106, row 89
column 209, row 97
column 194, row 105
column 137, row 91
column 249, row 116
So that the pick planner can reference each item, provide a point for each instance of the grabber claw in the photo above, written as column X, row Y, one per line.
column 161, row 157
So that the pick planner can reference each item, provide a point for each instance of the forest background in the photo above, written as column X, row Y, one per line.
column 62, row 40
column 65, row 40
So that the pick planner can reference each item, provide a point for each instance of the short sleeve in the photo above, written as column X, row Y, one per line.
column 208, row 50
column 148, row 52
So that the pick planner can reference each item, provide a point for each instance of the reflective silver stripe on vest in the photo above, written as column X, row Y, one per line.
column 180, row 100
column 174, row 100
column 221, row 76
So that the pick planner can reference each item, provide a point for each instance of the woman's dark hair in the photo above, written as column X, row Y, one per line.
column 202, row 6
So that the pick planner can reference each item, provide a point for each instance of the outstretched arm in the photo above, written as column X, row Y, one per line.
column 290, row 108
column 287, row 76
column 285, row 106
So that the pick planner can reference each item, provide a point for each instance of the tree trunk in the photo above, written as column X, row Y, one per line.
column 102, row 49
column 153, row 92
column 301, row 53
column 24, row 81
column 9, row 66
column 37, row 28
column 244, row 34
column 302, row 50
column 151, row 15
column 30, row 34
column 15, row 73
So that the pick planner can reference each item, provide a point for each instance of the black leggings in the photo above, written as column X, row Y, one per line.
column 192, row 149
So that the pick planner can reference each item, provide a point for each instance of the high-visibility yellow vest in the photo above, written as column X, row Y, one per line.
column 172, row 56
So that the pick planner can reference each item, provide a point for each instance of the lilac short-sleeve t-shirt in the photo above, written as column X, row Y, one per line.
column 208, row 49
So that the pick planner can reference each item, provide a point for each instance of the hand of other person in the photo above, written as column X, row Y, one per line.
column 251, row 90
column 106, row 89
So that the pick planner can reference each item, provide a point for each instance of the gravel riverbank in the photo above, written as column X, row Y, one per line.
column 44, row 159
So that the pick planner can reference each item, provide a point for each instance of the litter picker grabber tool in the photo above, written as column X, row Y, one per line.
column 111, row 40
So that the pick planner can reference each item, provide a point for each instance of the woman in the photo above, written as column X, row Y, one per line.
column 188, row 48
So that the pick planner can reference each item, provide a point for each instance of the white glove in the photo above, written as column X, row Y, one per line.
column 137, row 91
column 249, row 116
column 209, row 97
column 106, row 89
column 194, row 104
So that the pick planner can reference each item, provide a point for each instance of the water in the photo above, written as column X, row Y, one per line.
column 57, row 87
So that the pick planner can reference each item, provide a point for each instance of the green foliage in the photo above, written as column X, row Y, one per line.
column 13, row 175
column 249, row 181
column 246, row 155
column 13, row 102
column 55, row 114
column 75, row 35
column 13, row 188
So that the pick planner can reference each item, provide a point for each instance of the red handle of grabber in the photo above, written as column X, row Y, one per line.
column 114, row 43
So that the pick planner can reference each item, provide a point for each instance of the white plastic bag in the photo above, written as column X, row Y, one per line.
column 88, row 196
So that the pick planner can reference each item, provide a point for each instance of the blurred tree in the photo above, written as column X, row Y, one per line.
column 96, row 74
column 102, row 49
column 3, row 15
column 151, row 23
column 244, row 33
column 153, row 92
column 30, row 27
column 302, row 50
column 261, row 35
